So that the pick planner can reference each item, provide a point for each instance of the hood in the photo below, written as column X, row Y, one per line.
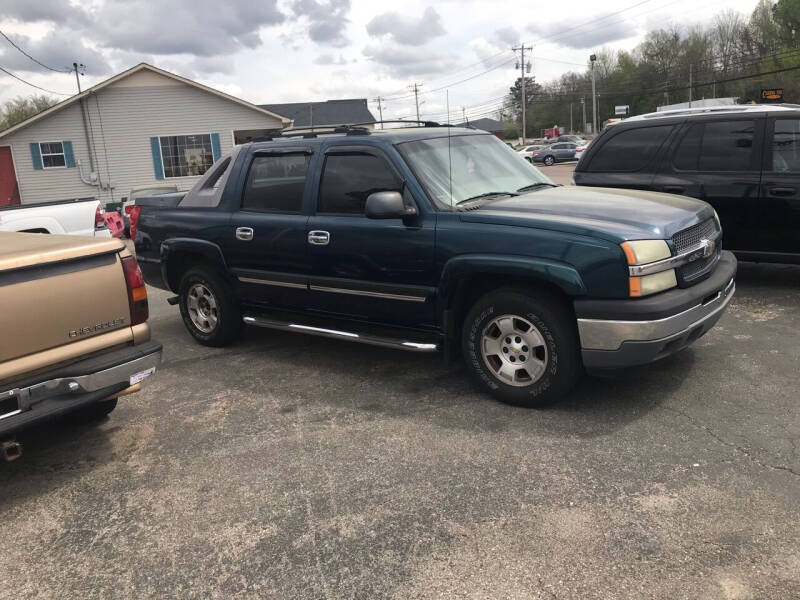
column 608, row 213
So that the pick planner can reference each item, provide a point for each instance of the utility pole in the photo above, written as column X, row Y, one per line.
column 570, row 117
column 690, row 85
column 583, row 106
column 523, row 67
column 380, row 109
column 75, row 67
column 464, row 112
column 415, row 87
column 592, row 59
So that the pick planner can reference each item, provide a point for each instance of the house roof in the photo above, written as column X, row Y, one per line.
column 486, row 124
column 140, row 67
column 330, row 112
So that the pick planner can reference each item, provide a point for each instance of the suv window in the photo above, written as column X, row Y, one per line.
column 786, row 146
column 348, row 179
column 716, row 146
column 276, row 183
column 629, row 150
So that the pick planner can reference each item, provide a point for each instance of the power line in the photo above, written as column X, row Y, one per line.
column 10, row 41
column 9, row 73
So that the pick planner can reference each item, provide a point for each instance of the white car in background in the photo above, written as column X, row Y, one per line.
column 527, row 152
column 581, row 149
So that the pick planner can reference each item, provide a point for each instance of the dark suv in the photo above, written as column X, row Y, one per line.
column 743, row 160
column 435, row 238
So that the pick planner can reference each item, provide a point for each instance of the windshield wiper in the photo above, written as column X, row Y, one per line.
column 533, row 186
column 486, row 195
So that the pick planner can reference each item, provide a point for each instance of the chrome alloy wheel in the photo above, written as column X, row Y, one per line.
column 514, row 350
column 202, row 307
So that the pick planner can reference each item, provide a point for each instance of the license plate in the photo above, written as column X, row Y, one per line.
column 142, row 375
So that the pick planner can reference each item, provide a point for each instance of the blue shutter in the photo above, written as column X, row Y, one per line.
column 36, row 156
column 158, row 167
column 215, row 146
column 69, row 156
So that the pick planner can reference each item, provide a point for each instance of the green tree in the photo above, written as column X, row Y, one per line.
column 20, row 108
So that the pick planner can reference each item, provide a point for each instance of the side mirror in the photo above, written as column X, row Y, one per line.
column 387, row 205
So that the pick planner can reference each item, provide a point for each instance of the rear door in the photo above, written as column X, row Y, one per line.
column 780, row 187
column 266, row 245
column 379, row 270
column 719, row 161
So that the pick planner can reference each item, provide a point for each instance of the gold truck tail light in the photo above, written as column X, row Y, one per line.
column 137, row 292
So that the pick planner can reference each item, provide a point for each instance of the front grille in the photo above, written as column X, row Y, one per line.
column 691, row 237
column 698, row 267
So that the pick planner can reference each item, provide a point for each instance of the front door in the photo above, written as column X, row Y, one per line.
column 780, row 188
column 9, row 189
column 379, row 270
column 720, row 162
column 266, row 243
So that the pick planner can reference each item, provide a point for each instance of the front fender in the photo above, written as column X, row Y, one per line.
column 560, row 274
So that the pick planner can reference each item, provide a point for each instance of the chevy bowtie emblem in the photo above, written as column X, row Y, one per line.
column 708, row 247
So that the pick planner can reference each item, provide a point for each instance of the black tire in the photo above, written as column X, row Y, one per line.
column 93, row 412
column 228, row 325
column 559, row 352
column 549, row 160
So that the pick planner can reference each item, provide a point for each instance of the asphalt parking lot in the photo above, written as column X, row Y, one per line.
column 291, row 466
column 559, row 173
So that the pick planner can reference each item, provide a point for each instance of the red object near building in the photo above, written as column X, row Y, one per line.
column 552, row 132
column 115, row 223
column 9, row 189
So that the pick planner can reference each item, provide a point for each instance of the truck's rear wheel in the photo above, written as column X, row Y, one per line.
column 209, row 310
column 522, row 347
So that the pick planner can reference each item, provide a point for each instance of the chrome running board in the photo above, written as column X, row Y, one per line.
column 349, row 336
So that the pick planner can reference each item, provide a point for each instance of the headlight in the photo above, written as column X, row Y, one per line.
column 643, row 252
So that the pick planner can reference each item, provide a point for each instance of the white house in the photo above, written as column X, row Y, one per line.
column 143, row 126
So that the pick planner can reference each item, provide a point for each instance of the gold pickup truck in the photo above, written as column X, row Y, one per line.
column 73, row 330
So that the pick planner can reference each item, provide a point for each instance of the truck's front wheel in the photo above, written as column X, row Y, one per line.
column 209, row 310
column 522, row 347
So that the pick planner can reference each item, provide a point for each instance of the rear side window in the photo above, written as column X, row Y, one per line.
column 276, row 183
column 348, row 179
column 786, row 146
column 629, row 150
column 716, row 146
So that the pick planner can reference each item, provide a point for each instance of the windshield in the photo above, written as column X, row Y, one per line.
column 481, row 165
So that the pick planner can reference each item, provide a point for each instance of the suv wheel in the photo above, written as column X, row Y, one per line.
column 209, row 310
column 549, row 160
column 522, row 347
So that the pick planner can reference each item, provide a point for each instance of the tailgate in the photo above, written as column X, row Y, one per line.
column 58, row 290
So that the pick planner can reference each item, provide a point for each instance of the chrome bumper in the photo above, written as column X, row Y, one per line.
column 129, row 373
column 598, row 334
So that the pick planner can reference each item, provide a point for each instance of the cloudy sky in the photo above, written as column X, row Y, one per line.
column 297, row 50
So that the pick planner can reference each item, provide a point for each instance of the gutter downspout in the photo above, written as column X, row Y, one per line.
column 85, row 125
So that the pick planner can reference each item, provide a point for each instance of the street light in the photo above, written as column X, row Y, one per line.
column 592, row 59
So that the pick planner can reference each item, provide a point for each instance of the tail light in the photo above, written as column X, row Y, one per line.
column 580, row 149
column 128, row 209
column 134, row 217
column 137, row 292
column 536, row 154
column 99, row 217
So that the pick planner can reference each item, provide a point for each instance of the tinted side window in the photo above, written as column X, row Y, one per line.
column 276, row 183
column 786, row 146
column 629, row 150
column 348, row 179
column 716, row 146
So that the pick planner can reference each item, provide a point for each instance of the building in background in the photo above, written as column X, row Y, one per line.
column 491, row 125
column 143, row 126
column 325, row 114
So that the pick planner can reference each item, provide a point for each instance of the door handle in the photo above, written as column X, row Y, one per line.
column 244, row 233
column 781, row 191
column 673, row 189
column 319, row 238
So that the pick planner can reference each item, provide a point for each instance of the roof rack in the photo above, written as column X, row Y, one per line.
column 313, row 132
column 706, row 110
column 406, row 121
